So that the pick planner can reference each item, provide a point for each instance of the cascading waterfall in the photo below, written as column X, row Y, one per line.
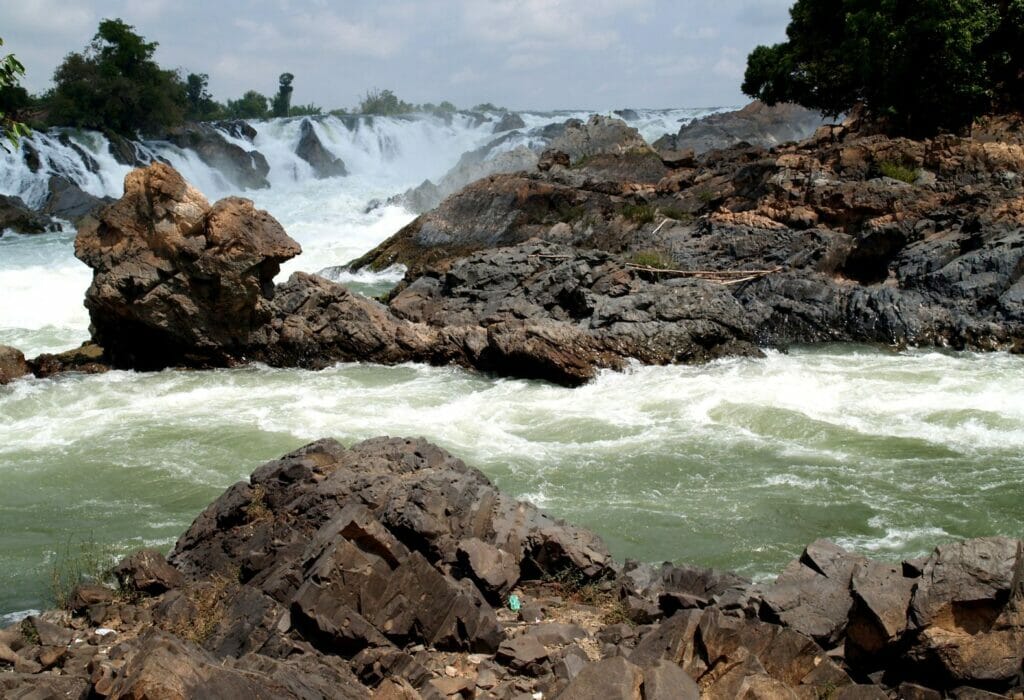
column 737, row 464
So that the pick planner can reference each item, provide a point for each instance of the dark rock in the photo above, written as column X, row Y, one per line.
column 525, row 654
column 552, row 634
column 89, row 358
column 493, row 570
column 22, row 686
column 912, row 691
column 878, row 618
column 812, row 595
column 324, row 163
column 126, row 151
column 508, row 122
column 49, row 634
column 668, row 681
column 12, row 364
column 612, row 679
column 570, row 663
column 147, row 571
column 67, row 200
column 16, row 216
column 246, row 169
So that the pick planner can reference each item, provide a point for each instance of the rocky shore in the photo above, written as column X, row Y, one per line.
column 390, row 569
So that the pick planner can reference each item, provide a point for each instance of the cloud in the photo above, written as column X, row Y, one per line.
column 325, row 30
column 51, row 16
column 564, row 24
column 688, row 31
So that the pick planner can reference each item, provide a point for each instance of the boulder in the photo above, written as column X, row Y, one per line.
column 324, row 163
column 756, row 124
column 147, row 571
column 66, row 200
column 613, row 679
column 665, row 680
column 176, row 281
column 12, row 364
column 16, row 216
column 878, row 618
column 508, row 122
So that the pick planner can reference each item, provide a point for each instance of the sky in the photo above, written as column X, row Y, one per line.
column 521, row 54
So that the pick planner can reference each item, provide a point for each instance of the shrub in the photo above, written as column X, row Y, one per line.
column 383, row 102
column 77, row 563
column 639, row 213
column 898, row 172
column 653, row 258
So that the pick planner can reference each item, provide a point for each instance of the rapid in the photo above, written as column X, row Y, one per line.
column 736, row 465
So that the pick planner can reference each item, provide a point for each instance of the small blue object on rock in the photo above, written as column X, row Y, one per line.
column 513, row 603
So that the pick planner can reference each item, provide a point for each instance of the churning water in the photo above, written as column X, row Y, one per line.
column 737, row 464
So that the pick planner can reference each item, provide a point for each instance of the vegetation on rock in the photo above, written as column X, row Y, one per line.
column 12, row 98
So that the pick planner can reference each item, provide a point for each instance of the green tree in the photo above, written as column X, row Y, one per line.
column 200, row 105
column 116, row 84
column 383, row 102
column 251, row 105
column 12, row 99
column 283, row 99
column 920, row 66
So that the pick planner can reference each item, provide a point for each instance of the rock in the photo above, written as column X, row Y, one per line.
column 67, row 200
column 324, row 163
column 20, row 663
column 756, row 124
column 525, row 654
column 16, row 216
column 508, row 122
column 600, row 135
column 21, row 686
column 174, row 280
column 878, row 618
column 611, row 679
column 962, row 582
column 494, row 571
column 48, row 634
column 12, row 364
column 667, row 681
column 812, row 595
column 912, row 691
column 147, row 571
column 246, row 169
column 88, row 359
column 553, row 634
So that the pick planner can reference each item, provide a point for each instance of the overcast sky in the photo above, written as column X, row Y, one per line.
column 541, row 54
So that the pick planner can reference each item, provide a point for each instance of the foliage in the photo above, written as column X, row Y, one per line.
column 898, row 172
column 200, row 105
column 251, row 105
column 383, row 102
column 116, row 84
column 488, row 107
column 920, row 67
column 77, row 563
column 639, row 213
column 653, row 259
column 12, row 99
column 304, row 110
column 282, row 103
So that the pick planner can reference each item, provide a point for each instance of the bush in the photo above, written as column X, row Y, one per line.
column 76, row 563
column 654, row 259
column 115, row 84
column 384, row 103
column 919, row 67
column 898, row 172
column 639, row 213
column 251, row 105
column 13, row 98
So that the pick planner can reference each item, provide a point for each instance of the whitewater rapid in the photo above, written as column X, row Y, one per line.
column 737, row 464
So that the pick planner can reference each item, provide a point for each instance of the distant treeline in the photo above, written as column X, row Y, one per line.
column 114, row 84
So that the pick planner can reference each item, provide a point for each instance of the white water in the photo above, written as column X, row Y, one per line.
column 737, row 464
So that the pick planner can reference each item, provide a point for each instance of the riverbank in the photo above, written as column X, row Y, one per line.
column 392, row 566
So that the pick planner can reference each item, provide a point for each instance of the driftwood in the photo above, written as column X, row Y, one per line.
column 720, row 276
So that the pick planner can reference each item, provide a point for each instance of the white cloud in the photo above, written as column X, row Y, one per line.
column 51, row 16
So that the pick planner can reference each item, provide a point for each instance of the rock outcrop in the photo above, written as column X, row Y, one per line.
column 324, row 163
column 244, row 168
column 176, row 281
column 386, row 569
column 757, row 124
column 16, row 216
column 12, row 364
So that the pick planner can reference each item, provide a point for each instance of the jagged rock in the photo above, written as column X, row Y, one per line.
column 878, row 619
column 89, row 358
column 12, row 364
column 174, row 280
column 246, row 169
column 22, row 686
column 525, row 654
column 668, row 681
column 812, row 595
column 310, row 149
column 67, row 200
column 613, row 679
column 87, row 594
column 147, row 571
column 16, row 216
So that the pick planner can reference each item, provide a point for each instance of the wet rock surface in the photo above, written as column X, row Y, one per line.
column 756, row 124
column 385, row 570
column 324, row 163
column 245, row 168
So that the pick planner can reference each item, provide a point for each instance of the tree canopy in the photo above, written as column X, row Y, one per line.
column 115, row 84
column 920, row 66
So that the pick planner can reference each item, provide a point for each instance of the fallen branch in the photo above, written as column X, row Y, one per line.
column 720, row 276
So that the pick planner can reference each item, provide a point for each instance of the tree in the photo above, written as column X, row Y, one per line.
column 920, row 66
column 251, row 105
column 383, row 102
column 200, row 105
column 283, row 99
column 11, row 93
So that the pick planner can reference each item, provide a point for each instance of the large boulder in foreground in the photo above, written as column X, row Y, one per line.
column 176, row 281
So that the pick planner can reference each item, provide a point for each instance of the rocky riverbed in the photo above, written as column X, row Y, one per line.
column 391, row 569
